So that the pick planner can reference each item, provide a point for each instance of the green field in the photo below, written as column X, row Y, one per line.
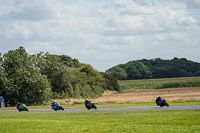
column 126, row 121
column 160, row 83
column 119, row 121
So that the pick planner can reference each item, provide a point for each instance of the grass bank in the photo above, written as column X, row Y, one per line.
column 126, row 121
column 180, row 102
column 160, row 83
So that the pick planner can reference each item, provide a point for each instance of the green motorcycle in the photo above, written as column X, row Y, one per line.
column 21, row 107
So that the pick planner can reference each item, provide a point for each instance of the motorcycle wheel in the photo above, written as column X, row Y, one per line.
column 19, row 109
column 25, row 109
column 62, row 108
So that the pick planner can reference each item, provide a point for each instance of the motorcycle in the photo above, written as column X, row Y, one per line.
column 21, row 107
column 57, row 106
column 161, row 102
column 89, row 105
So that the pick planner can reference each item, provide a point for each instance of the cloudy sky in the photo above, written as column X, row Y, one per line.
column 103, row 33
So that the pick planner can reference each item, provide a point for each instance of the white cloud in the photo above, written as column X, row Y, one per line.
column 104, row 33
column 193, row 3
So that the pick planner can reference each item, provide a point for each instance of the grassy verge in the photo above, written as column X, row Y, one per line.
column 126, row 121
column 151, row 103
column 127, row 104
column 160, row 83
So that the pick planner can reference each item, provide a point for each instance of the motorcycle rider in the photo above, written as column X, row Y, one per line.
column 89, row 104
column 20, row 106
column 158, row 102
column 53, row 104
column 56, row 106
column 161, row 102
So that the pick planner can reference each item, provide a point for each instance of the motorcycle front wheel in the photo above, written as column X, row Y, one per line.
column 62, row 108
column 95, row 107
column 25, row 109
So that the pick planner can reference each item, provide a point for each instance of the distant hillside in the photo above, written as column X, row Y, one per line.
column 155, row 68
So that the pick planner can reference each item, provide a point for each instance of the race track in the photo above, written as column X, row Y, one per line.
column 117, row 108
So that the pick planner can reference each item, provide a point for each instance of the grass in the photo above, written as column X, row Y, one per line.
column 180, row 102
column 160, row 83
column 121, row 121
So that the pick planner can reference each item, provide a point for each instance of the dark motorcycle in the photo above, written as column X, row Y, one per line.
column 161, row 102
column 21, row 107
column 89, row 105
column 57, row 106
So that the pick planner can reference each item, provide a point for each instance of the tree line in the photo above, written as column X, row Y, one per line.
column 155, row 68
column 34, row 79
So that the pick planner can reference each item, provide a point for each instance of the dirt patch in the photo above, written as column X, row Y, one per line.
column 150, row 95
column 144, row 95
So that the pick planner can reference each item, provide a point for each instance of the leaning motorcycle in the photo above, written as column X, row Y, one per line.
column 161, row 102
column 89, row 105
column 57, row 106
column 21, row 107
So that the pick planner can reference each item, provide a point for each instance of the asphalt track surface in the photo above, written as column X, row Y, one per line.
column 117, row 108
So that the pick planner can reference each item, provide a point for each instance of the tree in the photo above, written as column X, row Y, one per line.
column 92, row 82
column 118, row 72
column 67, row 79
column 130, row 70
column 57, row 73
column 68, row 61
column 111, row 82
column 133, row 73
column 26, row 84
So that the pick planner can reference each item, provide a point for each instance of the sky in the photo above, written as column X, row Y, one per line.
column 103, row 33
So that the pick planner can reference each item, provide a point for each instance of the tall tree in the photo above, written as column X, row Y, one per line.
column 26, row 84
column 92, row 81
column 56, row 71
